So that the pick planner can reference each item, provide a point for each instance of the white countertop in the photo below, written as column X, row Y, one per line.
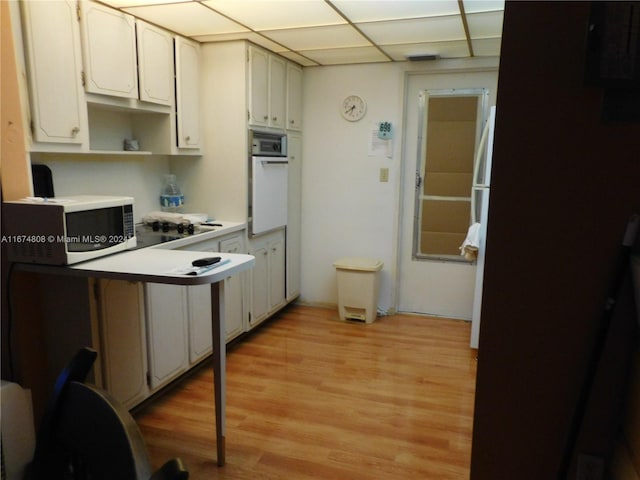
column 208, row 234
column 158, row 263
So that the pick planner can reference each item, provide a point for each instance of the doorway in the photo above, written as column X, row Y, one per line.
column 432, row 278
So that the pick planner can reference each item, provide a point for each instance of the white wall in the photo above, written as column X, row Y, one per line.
column 347, row 211
column 137, row 176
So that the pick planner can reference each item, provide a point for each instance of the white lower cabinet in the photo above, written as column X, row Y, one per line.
column 167, row 334
column 152, row 333
column 268, row 275
column 234, row 290
column 179, row 318
column 122, row 332
column 199, row 319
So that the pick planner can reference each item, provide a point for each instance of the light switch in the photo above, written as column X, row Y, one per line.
column 384, row 175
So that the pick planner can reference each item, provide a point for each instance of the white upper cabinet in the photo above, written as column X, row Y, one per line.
column 267, row 89
column 258, row 87
column 187, row 94
column 277, row 89
column 109, row 48
column 155, row 64
column 294, row 97
column 54, row 61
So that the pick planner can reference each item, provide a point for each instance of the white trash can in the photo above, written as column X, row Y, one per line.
column 358, row 282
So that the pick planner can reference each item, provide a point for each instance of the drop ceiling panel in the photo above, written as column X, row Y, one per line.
column 485, row 25
column 139, row 3
column 334, row 31
column 315, row 38
column 377, row 10
column 251, row 36
column 188, row 18
column 486, row 47
column 342, row 56
column 471, row 6
column 267, row 15
column 415, row 31
column 455, row 49
column 299, row 59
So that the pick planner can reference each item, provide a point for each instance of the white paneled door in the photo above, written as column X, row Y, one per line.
column 432, row 286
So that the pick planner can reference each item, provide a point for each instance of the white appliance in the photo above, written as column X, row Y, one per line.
column 67, row 230
column 269, row 168
column 480, row 212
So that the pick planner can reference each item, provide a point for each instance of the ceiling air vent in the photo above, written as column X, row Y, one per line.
column 422, row 58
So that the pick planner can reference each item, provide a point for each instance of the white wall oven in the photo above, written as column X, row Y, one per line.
column 268, row 173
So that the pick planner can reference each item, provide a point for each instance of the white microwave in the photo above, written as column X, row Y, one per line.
column 67, row 230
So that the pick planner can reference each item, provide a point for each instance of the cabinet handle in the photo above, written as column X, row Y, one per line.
column 266, row 117
column 75, row 131
column 187, row 138
column 275, row 118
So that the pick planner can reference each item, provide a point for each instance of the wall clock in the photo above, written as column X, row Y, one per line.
column 353, row 108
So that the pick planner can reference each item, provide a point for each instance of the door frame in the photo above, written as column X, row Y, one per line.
column 432, row 286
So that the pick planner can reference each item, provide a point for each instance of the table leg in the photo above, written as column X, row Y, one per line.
column 219, row 364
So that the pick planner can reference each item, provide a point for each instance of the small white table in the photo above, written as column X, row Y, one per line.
column 159, row 266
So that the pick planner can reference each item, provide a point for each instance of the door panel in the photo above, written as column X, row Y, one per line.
column 434, row 286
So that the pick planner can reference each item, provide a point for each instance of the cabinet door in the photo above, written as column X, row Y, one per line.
column 187, row 92
column 167, row 332
column 277, row 92
column 233, row 291
column 55, row 63
column 122, row 332
column 276, row 272
column 200, row 335
column 109, row 49
column 260, row 283
column 155, row 64
column 294, row 97
column 294, row 215
column 258, row 87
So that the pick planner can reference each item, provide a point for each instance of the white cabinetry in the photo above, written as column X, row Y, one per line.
column 155, row 64
column 179, row 318
column 258, row 87
column 294, row 215
column 121, row 52
column 199, row 320
column 277, row 92
column 268, row 275
column 54, row 61
column 109, row 48
column 294, row 97
column 200, row 299
column 234, row 290
column 97, row 77
column 267, row 87
column 167, row 335
column 122, row 333
column 187, row 92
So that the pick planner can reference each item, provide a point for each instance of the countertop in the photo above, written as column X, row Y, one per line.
column 209, row 233
column 159, row 263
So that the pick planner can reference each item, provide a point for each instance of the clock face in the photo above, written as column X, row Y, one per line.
column 353, row 108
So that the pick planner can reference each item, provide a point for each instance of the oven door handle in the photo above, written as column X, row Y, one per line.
column 274, row 162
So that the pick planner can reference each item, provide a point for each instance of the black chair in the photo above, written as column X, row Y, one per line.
column 86, row 434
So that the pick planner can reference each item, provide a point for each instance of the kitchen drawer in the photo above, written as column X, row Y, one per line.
column 212, row 245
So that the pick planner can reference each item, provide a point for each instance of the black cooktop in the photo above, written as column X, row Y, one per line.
column 149, row 235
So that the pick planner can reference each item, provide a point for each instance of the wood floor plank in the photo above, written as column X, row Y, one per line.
column 311, row 397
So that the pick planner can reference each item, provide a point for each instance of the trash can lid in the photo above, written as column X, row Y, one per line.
column 359, row 263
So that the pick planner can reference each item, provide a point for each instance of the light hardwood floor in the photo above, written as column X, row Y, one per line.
column 311, row 397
